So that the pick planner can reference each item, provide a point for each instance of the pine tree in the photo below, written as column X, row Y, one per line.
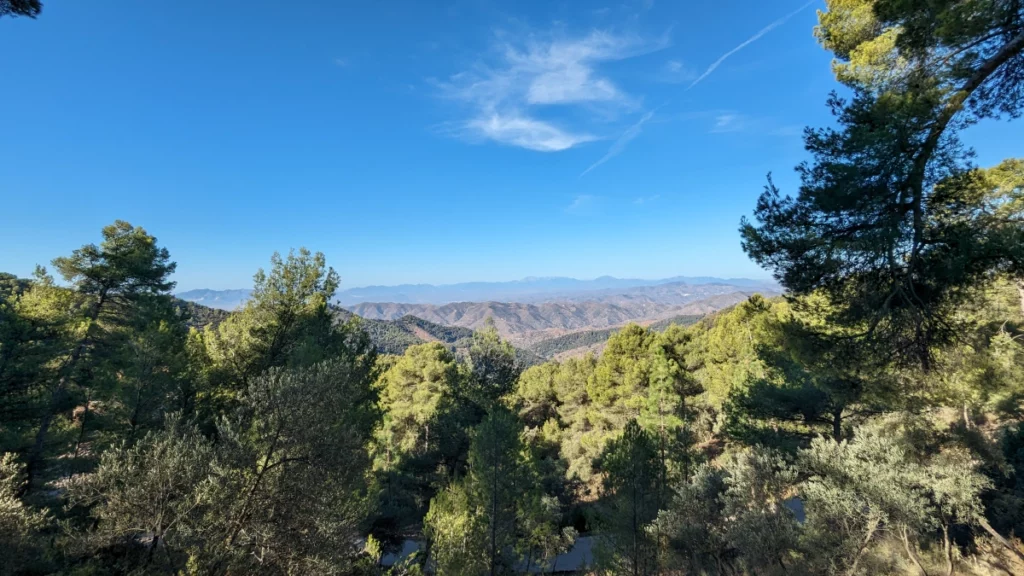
column 114, row 283
column 888, row 222
column 286, row 323
column 493, row 367
column 421, row 440
column 496, row 517
column 632, row 494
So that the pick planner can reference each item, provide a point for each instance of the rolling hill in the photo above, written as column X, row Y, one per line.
column 514, row 321
column 387, row 336
column 394, row 336
column 540, row 309
column 199, row 316
column 526, row 324
column 579, row 343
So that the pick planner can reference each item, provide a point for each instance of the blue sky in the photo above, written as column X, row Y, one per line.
column 410, row 141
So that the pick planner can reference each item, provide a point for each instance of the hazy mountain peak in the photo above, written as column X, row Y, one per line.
column 532, row 289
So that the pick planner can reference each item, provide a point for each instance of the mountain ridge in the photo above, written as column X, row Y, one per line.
column 529, row 289
column 526, row 323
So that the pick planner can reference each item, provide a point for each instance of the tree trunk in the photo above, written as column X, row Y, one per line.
column 663, row 457
column 837, row 425
column 1020, row 294
column 862, row 549
column 999, row 538
column 684, row 416
column 152, row 550
column 35, row 455
column 947, row 549
column 133, row 420
column 636, row 527
column 911, row 552
column 956, row 103
column 494, row 505
column 81, row 427
column 243, row 512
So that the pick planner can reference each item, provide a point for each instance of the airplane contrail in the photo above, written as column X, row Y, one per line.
column 748, row 41
column 620, row 144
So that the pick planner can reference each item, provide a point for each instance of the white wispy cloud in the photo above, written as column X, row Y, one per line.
column 675, row 72
column 729, row 122
column 620, row 144
column 580, row 202
column 525, row 132
column 504, row 97
column 646, row 199
column 748, row 41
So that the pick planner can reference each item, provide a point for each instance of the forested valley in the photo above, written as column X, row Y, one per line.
column 868, row 421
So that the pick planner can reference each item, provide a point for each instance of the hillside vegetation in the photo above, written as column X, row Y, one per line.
column 394, row 336
column 681, row 320
column 586, row 340
column 199, row 316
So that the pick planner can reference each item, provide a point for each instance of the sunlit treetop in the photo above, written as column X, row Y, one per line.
column 973, row 47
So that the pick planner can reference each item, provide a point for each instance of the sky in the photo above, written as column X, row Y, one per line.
column 411, row 141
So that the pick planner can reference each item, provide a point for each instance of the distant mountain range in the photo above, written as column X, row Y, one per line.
column 527, row 311
column 525, row 323
column 553, row 324
column 531, row 290
column 222, row 299
column 525, row 290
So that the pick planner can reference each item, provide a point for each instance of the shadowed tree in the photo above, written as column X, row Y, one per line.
column 292, row 471
column 816, row 378
column 888, row 222
column 420, row 439
column 632, row 494
column 149, row 497
column 492, row 362
column 34, row 331
column 115, row 282
column 286, row 323
column 495, row 517
column 757, row 523
column 694, row 527
column 19, row 524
